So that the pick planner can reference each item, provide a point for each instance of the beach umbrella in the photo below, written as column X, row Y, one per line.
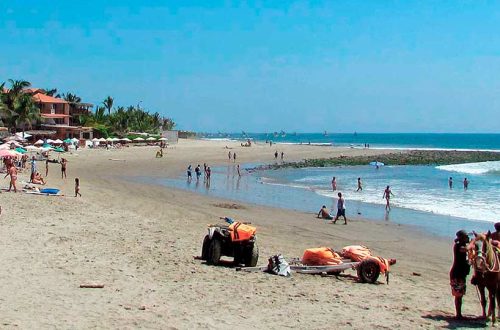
column 102, row 140
column 32, row 148
column 95, row 140
column 20, row 150
column 109, row 139
column 7, row 153
column 5, row 146
column 125, row 140
column 115, row 139
column 74, row 140
column 57, row 141
column 138, row 139
column 14, row 138
column 26, row 135
column 151, row 139
column 378, row 164
column 59, row 149
column 39, row 142
column 163, row 139
column 50, row 141
column 68, row 140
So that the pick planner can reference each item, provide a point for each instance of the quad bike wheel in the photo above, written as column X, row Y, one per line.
column 205, row 248
column 368, row 271
column 252, row 256
column 214, row 251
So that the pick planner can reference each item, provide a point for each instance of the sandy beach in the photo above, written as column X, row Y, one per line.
column 139, row 241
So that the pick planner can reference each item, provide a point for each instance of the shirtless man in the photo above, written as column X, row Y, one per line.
column 13, row 177
column 334, row 184
column 387, row 196
column 495, row 237
column 324, row 213
column 63, row 168
column 450, row 182
column 466, row 184
column 359, row 185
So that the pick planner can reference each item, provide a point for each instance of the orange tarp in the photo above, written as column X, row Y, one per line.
column 322, row 256
column 360, row 252
column 241, row 232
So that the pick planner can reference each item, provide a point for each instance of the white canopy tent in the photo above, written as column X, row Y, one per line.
column 139, row 139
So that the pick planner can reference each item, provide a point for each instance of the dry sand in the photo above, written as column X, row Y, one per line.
column 139, row 241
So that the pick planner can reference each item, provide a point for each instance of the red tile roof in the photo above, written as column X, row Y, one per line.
column 42, row 98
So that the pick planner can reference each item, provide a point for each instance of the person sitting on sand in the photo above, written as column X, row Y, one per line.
column 324, row 214
column 159, row 153
column 38, row 179
column 459, row 270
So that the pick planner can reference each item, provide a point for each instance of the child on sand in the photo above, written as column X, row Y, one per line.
column 77, row 187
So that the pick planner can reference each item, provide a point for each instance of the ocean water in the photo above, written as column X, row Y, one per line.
column 391, row 140
column 422, row 198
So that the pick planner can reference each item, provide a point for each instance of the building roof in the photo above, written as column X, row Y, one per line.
column 42, row 98
column 54, row 115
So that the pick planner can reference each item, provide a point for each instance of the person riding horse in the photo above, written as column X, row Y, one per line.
column 459, row 270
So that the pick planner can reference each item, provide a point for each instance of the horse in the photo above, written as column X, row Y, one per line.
column 483, row 257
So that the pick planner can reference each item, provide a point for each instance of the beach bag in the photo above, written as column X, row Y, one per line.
column 322, row 256
column 277, row 265
column 241, row 232
column 356, row 252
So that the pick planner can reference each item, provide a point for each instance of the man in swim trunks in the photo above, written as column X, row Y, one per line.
column 340, row 209
column 459, row 270
column 64, row 162
column 466, row 184
column 13, row 177
column 324, row 213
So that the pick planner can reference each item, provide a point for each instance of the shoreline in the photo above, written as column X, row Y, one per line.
column 139, row 241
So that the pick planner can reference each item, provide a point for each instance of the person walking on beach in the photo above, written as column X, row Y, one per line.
column 12, row 171
column 189, row 173
column 238, row 169
column 234, row 157
column 276, row 154
column 282, row 155
column 47, row 167
column 387, row 196
column 63, row 168
column 340, row 209
column 334, row 184
column 466, row 184
column 360, row 187
column 77, row 187
column 229, row 155
column 459, row 270
column 209, row 173
column 197, row 170
column 450, row 182
column 33, row 168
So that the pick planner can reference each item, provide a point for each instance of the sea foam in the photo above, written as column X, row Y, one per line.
column 473, row 168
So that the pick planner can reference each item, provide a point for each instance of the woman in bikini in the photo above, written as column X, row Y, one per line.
column 13, row 177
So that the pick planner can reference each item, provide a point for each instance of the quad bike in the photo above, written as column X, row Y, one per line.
column 235, row 240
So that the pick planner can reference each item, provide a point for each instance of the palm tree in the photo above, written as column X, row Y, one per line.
column 26, row 112
column 71, row 98
column 17, row 86
column 108, row 104
column 51, row 91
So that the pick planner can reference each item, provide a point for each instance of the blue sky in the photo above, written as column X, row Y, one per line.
column 339, row 66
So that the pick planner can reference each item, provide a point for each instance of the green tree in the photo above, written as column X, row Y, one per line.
column 108, row 104
column 71, row 98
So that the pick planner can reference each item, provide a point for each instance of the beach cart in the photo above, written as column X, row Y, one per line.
column 368, row 270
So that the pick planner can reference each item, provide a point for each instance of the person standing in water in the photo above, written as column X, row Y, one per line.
column 340, row 209
column 276, row 154
column 282, row 155
column 234, row 157
column 466, row 184
column 360, row 188
column 450, row 182
column 189, row 173
column 334, row 184
column 229, row 155
column 238, row 169
column 387, row 196
column 459, row 270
